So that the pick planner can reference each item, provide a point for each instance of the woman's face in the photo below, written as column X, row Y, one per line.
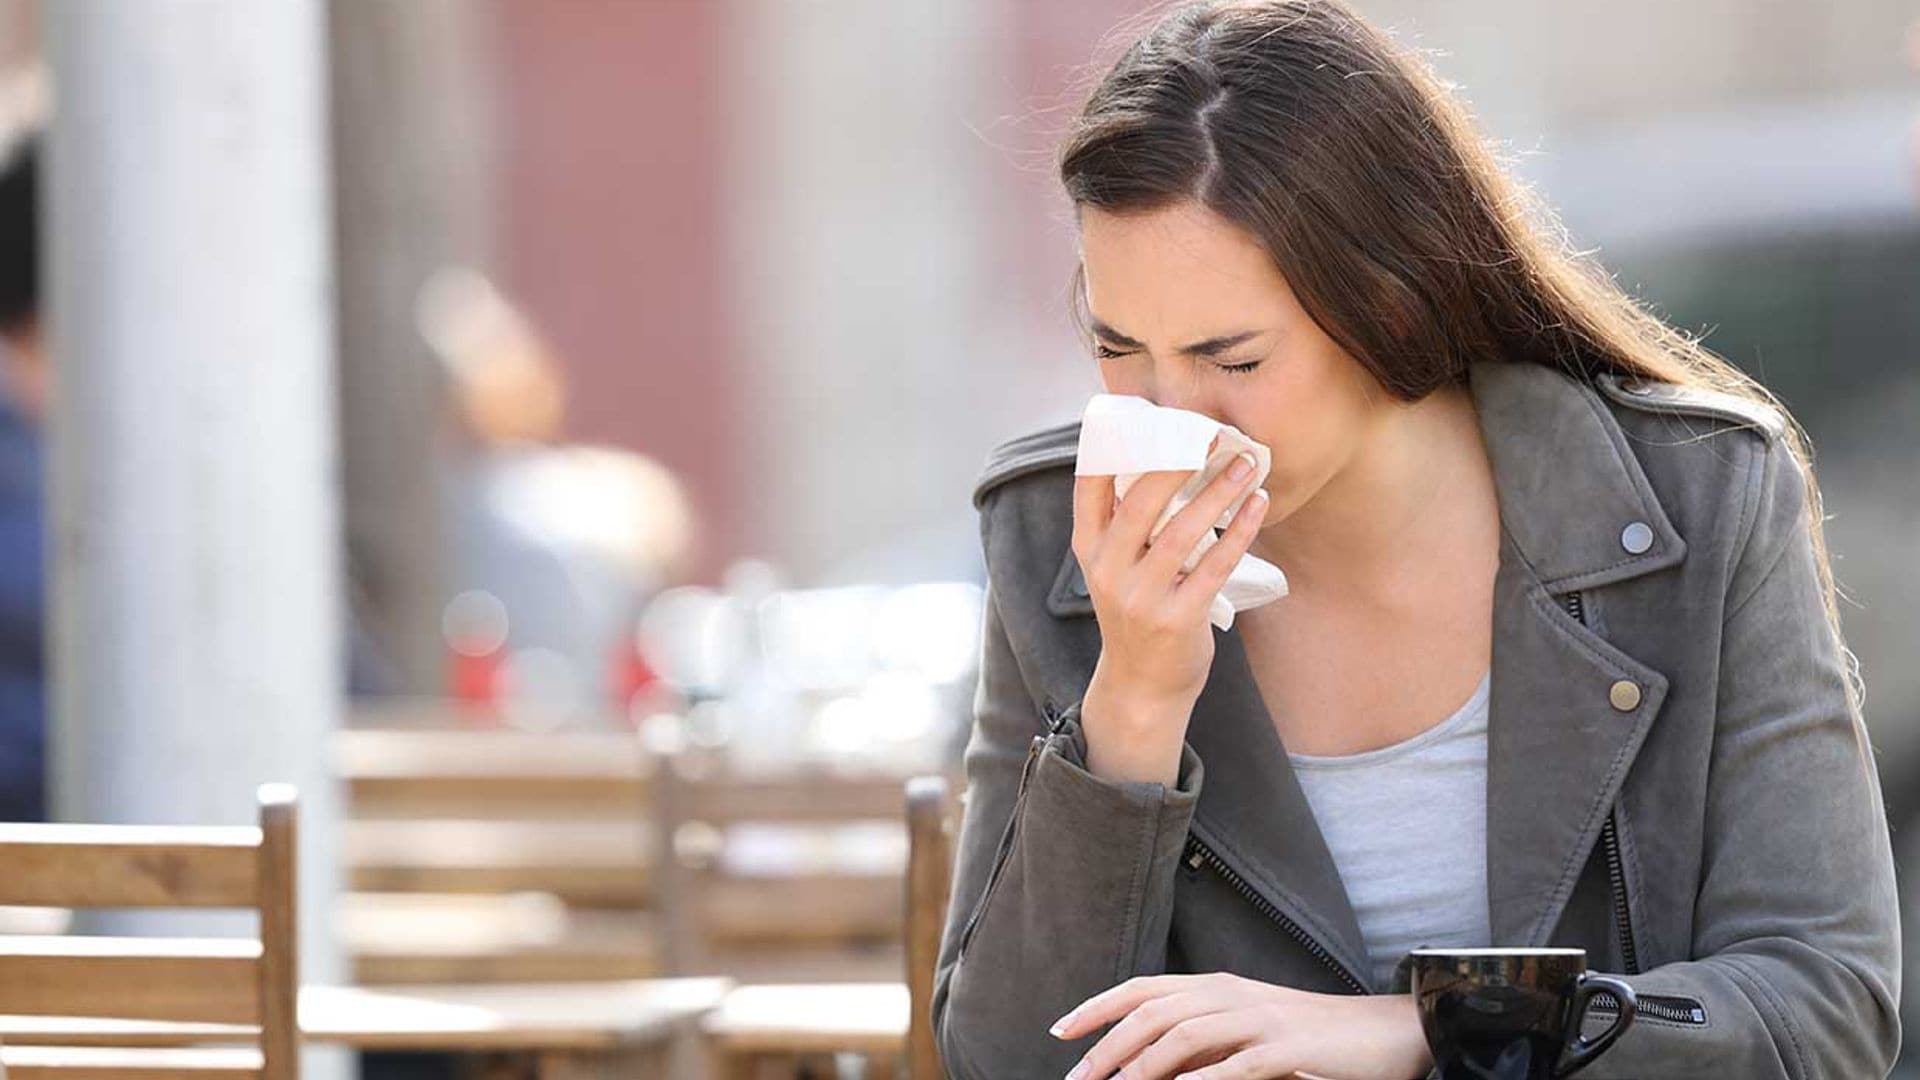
column 1189, row 311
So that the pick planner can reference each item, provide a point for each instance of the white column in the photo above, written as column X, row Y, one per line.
column 860, row 257
column 195, row 562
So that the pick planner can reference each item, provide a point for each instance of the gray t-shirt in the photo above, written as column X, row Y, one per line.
column 1407, row 825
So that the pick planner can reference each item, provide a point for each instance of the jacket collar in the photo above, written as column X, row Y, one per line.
column 1558, row 747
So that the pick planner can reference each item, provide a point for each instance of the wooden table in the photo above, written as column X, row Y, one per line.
column 415, row 939
column 637, row 1030
column 796, row 1021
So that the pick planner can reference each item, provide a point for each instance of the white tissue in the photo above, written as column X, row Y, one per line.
column 1123, row 436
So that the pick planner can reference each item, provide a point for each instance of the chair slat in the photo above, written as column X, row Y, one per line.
column 480, row 757
column 827, row 907
column 114, row 1063
column 796, row 800
column 95, row 1031
column 533, row 798
column 592, row 862
column 187, row 979
column 127, row 866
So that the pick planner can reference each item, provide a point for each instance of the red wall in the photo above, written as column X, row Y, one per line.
column 611, row 202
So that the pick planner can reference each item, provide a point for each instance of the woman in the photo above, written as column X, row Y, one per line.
column 1560, row 665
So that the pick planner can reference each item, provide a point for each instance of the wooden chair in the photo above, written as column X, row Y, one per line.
column 796, row 1029
column 787, row 877
column 485, row 855
column 245, row 988
column 930, row 829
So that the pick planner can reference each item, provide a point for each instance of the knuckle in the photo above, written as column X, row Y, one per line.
column 1185, row 1035
column 1083, row 547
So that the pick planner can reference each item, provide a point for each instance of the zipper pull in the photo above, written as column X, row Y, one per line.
column 1055, row 717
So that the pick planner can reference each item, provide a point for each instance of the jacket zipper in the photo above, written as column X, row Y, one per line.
column 1575, row 607
column 1610, row 842
column 1674, row 1010
column 1199, row 854
column 1056, row 719
column 1004, row 850
column 1617, row 878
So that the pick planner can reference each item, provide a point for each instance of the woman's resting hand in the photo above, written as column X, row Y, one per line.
column 1224, row 1027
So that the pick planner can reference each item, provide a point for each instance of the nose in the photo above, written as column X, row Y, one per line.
column 1169, row 388
column 1188, row 398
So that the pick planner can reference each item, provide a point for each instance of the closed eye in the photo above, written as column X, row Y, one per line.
column 1108, row 353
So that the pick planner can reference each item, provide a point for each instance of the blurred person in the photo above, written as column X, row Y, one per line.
column 560, row 545
column 1561, row 664
column 24, row 387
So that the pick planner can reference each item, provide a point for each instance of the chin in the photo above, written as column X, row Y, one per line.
column 1278, row 511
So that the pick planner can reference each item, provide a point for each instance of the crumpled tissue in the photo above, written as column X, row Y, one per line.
column 1123, row 436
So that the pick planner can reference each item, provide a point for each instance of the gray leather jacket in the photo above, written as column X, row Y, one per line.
column 1676, row 779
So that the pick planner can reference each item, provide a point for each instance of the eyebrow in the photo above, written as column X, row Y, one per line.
column 1212, row 346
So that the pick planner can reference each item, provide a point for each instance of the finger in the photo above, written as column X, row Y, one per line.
column 1117, row 1001
column 1092, row 509
column 1135, row 1032
column 1176, row 541
column 1256, row 1062
column 1134, row 517
column 1208, row 1037
column 1211, row 572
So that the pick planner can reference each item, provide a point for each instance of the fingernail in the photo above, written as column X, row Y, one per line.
column 1060, row 1025
column 1079, row 1071
column 1242, row 468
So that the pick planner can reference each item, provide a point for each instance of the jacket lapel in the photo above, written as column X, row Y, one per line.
column 1558, row 744
column 1254, row 815
column 1557, row 750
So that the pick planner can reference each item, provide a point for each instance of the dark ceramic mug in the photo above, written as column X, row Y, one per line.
column 1512, row 1014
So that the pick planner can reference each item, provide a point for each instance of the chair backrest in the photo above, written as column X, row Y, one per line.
column 253, row 982
column 930, row 828
column 450, row 773
column 525, row 856
column 779, row 877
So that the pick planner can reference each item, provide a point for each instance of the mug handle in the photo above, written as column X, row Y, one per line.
column 1580, row 1050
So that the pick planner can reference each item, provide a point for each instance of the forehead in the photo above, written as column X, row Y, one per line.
column 1175, row 267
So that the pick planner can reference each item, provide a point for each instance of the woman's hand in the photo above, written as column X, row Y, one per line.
column 1156, row 644
column 1220, row 1026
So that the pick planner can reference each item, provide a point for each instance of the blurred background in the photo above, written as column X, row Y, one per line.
column 622, row 367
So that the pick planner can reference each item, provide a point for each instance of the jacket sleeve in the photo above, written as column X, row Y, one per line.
column 1796, row 924
column 1063, row 884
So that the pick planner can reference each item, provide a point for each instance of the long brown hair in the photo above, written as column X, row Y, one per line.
column 1392, row 219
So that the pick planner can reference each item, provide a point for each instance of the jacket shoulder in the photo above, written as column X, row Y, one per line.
column 1672, row 399
column 1049, row 448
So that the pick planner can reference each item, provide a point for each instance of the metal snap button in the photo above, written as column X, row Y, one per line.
column 1624, row 695
column 1637, row 537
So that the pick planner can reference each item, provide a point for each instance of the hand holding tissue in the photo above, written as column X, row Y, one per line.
column 1123, row 436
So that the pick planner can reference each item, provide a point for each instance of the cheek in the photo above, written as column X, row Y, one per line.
column 1119, row 377
column 1310, row 429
